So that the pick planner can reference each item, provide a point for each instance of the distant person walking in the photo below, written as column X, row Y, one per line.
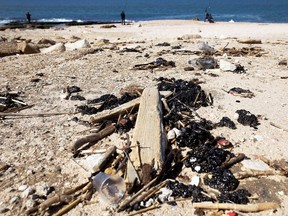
column 123, row 16
column 28, row 16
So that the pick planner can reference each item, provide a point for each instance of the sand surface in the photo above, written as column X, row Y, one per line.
column 38, row 149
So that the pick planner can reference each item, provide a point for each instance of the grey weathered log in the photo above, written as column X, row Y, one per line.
column 149, row 139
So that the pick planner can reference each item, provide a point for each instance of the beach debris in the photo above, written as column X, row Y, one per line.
column 131, row 49
column 163, row 44
column 237, row 91
column 173, row 124
column 189, row 68
column 80, row 44
column 150, row 150
column 159, row 63
column 249, row 41
column 205, row 48
column 46, row 41
column 226, row 122
column 191, row 37
column 9, row 102
column 244, row 51
column 203, row 63
column 247, row 119
column 108, row 26
column 27, row 48
column 255, row 165
column 93, row 138
column 226, row 66
column 110, row 187
column 238, row 207
column 107, row 101
column 8, row 48
column 222, row 180
column 283, row 62
column 57, row 48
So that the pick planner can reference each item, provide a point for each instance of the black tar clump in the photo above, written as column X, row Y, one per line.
column 185, row 191
column 238, row 196
column 108, row 101
column 246, row 118
column 226, row 122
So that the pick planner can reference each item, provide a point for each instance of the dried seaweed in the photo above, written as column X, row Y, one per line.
column 222, row 180
column 226, row 122
column 238, row 196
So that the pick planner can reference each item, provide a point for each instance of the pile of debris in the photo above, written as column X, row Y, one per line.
column 168, row 135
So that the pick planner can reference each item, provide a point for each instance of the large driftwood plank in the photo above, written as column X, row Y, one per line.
column 149, row 140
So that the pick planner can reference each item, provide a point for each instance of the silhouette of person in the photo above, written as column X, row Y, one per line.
column 122, row 18
column 28, row 16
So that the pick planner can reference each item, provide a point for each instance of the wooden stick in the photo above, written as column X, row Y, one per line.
column 93, row 138
column 238, row 207
column 55, row 199
column 106, row 157
column 70, row 206
column 114, row 113
column 121, row 110
column 144, row 210
column 233, row 161
column 254, row 173
column 146, row 195
column 126, row 203
column 36, row 114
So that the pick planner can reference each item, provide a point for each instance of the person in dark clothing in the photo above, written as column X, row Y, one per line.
column 28, row 16
column 208, row 17
column 122, row 18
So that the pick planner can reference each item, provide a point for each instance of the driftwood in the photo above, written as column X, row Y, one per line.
column 127, row 202
column 249, row 41
column 93, row 138
column 36, row 114
column 233, row 161
column 148, row 137
column 144, row 210
column 106, row 157
column 238, row 207
column 114, row 113
column 121, row 110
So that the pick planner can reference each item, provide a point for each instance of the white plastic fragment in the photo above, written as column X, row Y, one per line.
column 171, row 135
column 256, row 165
column 195, row 181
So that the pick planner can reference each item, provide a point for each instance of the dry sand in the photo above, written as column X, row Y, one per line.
column 38, row 149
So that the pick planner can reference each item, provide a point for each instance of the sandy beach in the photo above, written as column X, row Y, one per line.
column 36, row 151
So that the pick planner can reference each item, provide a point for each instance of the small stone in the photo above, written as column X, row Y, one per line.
column 195, row 180
column 4, row 210
column 197, row 168
column 177, row 132
column 30, row 203
column 171, row 135
column 27, row 192
column 22, row 187
column 255, row 165
column 14, row 200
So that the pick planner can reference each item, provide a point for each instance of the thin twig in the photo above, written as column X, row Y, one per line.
column 144, row 210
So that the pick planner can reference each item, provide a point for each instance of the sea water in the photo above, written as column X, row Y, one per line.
column 266, row 11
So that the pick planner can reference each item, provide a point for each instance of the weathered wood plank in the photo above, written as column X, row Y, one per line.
column 149, row 140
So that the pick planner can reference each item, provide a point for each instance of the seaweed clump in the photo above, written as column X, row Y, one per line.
column 247, row 119
column 186, row 191
column 107, row 101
